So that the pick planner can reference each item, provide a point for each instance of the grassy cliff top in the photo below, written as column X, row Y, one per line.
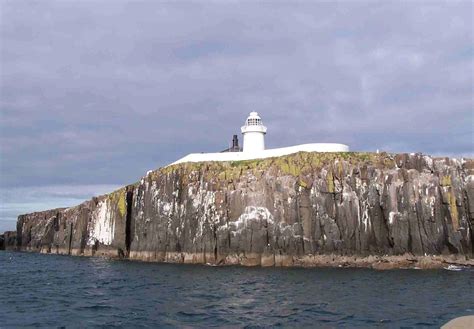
column 292, row 164
column 295, row 164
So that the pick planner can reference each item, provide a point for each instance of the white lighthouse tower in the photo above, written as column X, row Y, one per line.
column 254, row 134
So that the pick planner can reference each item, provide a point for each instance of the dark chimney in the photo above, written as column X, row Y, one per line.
column 235, row 142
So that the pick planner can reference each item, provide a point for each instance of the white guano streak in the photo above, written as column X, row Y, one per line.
column 103, row 226
column 252, row 214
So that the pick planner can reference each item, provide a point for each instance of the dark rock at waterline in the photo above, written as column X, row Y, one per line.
column 8, row 240
column 280, row 211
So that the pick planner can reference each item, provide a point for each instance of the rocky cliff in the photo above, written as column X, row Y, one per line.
column 302, row 209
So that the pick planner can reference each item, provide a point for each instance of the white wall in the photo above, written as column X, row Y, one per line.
column 238, row 156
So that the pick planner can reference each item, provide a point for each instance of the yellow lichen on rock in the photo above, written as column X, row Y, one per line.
column 222, row 175
column 445, row 180
column 330, row 182
column 453, row 210
column 340, row 169
column 118, row 198
column 302, row 183
column 122, row 204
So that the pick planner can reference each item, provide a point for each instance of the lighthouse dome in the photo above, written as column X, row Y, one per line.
column 253, row 120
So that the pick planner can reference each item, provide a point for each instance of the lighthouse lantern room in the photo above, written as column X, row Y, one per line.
column 254, row 133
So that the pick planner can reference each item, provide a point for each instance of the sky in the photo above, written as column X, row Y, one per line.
column 95, row 93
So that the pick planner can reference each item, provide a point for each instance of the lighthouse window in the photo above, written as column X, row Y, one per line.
column 254, row 122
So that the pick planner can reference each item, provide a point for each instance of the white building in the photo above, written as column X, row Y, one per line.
column 253, row 132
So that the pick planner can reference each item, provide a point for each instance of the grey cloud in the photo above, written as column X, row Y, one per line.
column 98, row 92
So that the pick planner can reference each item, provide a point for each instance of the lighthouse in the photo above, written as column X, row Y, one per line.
column 254, row 134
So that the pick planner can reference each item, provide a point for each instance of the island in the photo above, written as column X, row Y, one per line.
column 307, row 205
column 305, row 209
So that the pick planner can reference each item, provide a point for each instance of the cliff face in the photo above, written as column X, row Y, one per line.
column 8, row 240
column 290, row 210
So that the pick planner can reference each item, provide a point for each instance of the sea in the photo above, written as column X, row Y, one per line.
column 53, row 291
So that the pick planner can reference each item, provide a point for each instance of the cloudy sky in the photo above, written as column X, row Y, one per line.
column 95, row 93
